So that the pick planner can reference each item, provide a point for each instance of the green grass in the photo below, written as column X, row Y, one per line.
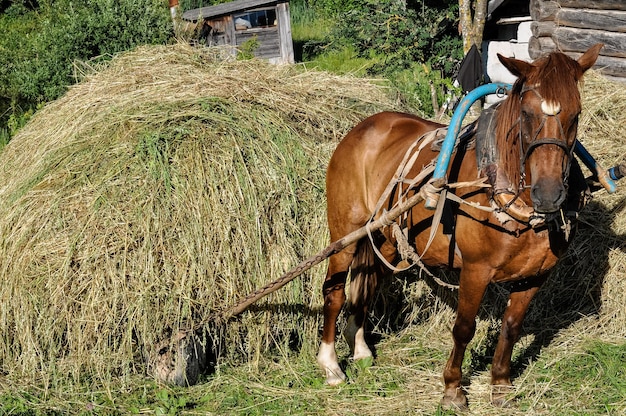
column 342, row 62
column 306, row 25
column 405, row 377
column 596, row 377
column 310, row 34
column 589, row 382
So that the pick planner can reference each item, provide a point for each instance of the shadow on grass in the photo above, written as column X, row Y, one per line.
column 572, row 291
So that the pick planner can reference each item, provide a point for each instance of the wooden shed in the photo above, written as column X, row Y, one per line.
column 233, row 24
column 572, row 26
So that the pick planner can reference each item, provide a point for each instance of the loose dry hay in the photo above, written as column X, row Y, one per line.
column 168, row 184
column 157, row 191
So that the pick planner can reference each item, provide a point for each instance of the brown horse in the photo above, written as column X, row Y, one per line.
column 516, row 234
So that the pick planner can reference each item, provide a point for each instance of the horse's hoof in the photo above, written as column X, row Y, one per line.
column 335, row 378
column 454, row 401
column 502, row 396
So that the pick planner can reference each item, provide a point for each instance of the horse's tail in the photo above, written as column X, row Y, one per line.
column 364, row 275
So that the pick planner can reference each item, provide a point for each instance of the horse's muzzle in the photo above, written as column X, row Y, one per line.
column 547, row 195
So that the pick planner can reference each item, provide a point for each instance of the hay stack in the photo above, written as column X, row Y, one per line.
column 158, row 191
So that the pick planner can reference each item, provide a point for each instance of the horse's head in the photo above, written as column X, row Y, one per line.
column 547, row 102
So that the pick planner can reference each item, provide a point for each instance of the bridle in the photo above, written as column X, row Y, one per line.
column 535, row 142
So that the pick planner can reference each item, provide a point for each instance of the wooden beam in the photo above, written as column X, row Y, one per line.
column 284, row 29
column 607, row 20
column 542, row 11
column 607, row 65
column 611, row 20
column 547, row 10
column 540, row 46
column 223, row 9
column 619, row 79
column 594, row 4
column 579, row 40
column 566, row 39
column 542, row 29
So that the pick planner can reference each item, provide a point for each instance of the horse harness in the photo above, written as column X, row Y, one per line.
column 481, row 134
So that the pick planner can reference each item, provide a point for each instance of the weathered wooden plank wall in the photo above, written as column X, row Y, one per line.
column 268, row 42
column 284, row 32
column 572, row 26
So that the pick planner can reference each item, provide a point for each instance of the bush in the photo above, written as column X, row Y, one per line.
column 196, row 4
column 414, row 45
column 420, row 85
column 401, row 34
column 330, row 8
column 41, row 45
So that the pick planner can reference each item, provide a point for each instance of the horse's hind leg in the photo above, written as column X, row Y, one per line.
column 355, row 334
column 364, row 279
column 334, row 298
column 365, row 270
column 512, row 321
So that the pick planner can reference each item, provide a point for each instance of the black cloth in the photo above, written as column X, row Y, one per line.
column 470, row 73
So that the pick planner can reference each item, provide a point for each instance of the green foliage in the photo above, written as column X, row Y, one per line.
column 418, row 83
column 307, row 24
column 330, row 8
column 302, row 14
column 413, row 44
column 343, row 61
column 292, row 384
column 602, row 372
column 196, row 4
column 15, row 121
column 246, row 49
column 40, row 45
column 402, row 35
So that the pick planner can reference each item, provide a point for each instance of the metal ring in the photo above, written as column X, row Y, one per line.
column 501, row 92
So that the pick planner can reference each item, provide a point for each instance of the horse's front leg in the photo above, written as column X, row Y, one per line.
column 471, row 290
column 512, row 321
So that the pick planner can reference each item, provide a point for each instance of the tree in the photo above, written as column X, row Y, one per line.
column 472, row 22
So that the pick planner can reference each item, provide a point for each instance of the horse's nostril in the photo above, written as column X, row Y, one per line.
column 547, row 199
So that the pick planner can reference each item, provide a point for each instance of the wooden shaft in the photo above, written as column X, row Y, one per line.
column 333, row 248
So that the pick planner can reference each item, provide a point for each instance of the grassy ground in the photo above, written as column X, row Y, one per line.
column 309, row 32
column 404, row 380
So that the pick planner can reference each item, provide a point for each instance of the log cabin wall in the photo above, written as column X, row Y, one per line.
column 572, row 26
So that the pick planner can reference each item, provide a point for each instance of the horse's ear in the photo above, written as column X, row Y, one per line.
column 589, row 58
column 515, row 66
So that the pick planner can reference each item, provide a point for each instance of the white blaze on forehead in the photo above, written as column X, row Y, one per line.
column 550, row 108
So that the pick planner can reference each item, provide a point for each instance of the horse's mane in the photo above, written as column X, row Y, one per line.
column 554, row 77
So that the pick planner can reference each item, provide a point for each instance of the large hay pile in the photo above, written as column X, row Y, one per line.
column 158, row 191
